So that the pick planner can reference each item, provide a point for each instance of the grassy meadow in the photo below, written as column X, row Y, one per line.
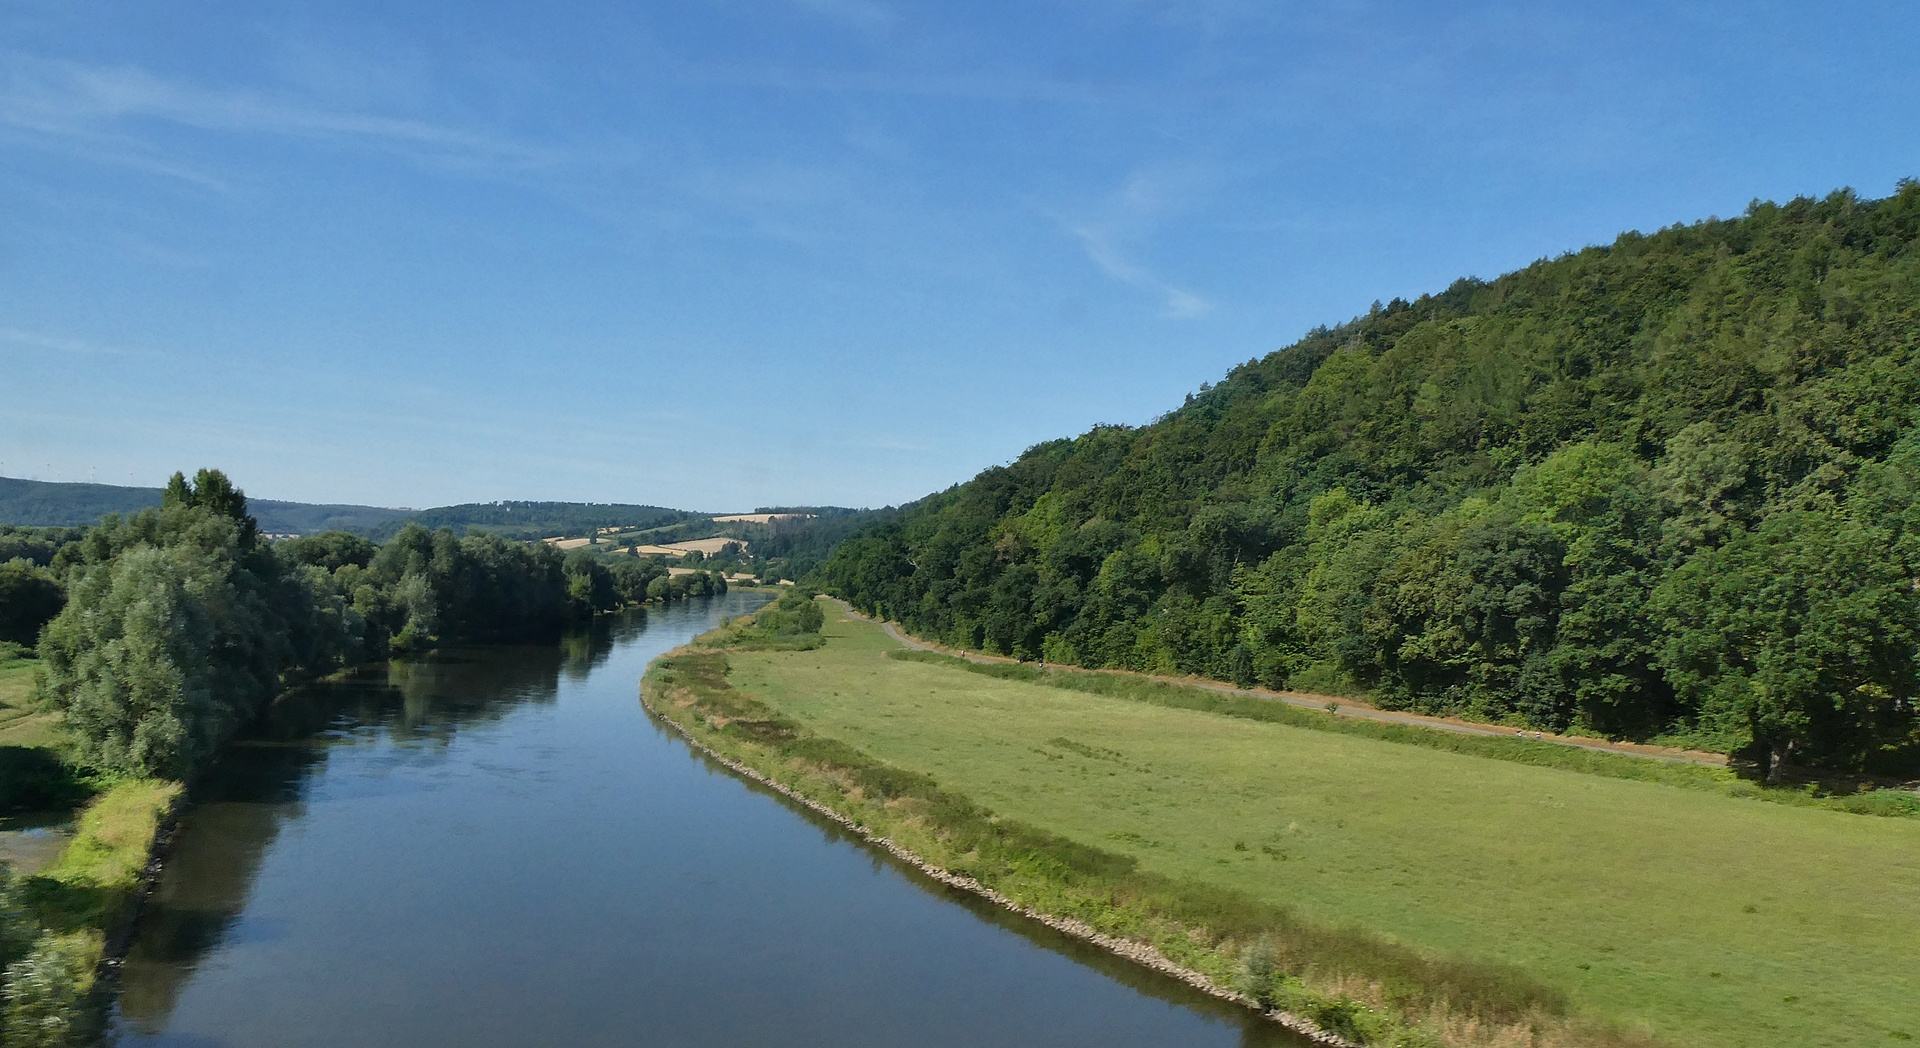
column 20, row 723
column 1696, row 917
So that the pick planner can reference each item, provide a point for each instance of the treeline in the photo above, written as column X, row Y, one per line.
column 1662, row 489
column 795, row 547
column 163, row 631
column 529, row 521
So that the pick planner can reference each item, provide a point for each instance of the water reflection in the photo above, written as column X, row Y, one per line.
column 494, row 847
column 1255, row 1032
column 259, row 784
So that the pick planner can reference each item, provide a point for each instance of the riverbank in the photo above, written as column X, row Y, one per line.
column 1626, row 903
column 84, row 905
column 1333, row 985
column 1139, row 952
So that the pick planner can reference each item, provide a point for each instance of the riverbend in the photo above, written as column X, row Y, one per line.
column 497, row 847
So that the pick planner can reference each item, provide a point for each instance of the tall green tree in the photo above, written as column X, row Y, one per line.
column 30, row 596
column 170, row 638
column 1803, row 634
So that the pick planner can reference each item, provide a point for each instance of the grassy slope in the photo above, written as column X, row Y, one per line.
column 1710, row 920
column 20, row 723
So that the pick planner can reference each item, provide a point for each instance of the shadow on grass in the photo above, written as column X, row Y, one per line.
column 36, row 779
column 65, row 907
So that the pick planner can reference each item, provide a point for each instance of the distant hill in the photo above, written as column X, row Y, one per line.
column 539, row 520
column 38, row 503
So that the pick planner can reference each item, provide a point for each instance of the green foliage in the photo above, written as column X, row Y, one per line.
column 38, row 546
column 171, row 636
column 178, row 624
column 30, row 596
column 65, row 506
column 1512, row 500
column 794, row 613
column 35, row 778
column 211, row 490
column 330, row 551
column 46, row 994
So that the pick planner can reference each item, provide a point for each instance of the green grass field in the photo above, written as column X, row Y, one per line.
column 20, row 723
column 1700, row 918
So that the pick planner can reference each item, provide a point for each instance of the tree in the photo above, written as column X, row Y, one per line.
column 169, row 640
column 1803, row 634
column 29, row 598
column 210, row 489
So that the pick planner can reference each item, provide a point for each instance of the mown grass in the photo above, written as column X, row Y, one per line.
column 1888, row 802
column 34, row 771
column 1682, row 913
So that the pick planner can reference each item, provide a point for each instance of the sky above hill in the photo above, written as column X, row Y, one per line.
column 722, row 253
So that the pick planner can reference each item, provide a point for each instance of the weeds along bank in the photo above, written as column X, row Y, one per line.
column 1397, row 893
column 60, row 925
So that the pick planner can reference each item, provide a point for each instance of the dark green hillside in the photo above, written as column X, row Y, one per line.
column 539, row 520
column 1659, row 487
column 35, row 503
column 40, row 504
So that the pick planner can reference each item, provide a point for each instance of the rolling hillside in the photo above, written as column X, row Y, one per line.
column 1661, row 488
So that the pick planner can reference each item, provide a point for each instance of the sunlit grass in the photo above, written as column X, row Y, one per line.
column 1704, row 918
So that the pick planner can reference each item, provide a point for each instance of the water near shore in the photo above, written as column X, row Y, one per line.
column 497, row 847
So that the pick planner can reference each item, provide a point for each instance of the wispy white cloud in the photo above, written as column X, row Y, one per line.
column 1100, row 248
column 60, row 344
column 1128, row 215
column 95, row 110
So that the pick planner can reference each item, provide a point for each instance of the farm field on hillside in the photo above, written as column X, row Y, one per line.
column 1704, row 919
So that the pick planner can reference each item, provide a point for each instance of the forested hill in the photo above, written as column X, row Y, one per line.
column 37, row 503
column 539, row 520
column 1661, row 488
column 34, row 503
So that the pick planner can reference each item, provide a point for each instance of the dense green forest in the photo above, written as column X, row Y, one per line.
column 1657, row 489
column 794, row 547
column 162, row 631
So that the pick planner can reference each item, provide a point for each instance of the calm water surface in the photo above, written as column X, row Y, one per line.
column 497, row 847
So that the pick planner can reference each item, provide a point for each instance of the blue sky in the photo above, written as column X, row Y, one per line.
column 730, row 253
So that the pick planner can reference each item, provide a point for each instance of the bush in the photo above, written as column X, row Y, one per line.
column 47, row 993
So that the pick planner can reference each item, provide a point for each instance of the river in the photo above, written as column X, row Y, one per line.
column 497, row 847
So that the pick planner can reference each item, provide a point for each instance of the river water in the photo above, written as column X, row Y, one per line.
column 498, row 847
